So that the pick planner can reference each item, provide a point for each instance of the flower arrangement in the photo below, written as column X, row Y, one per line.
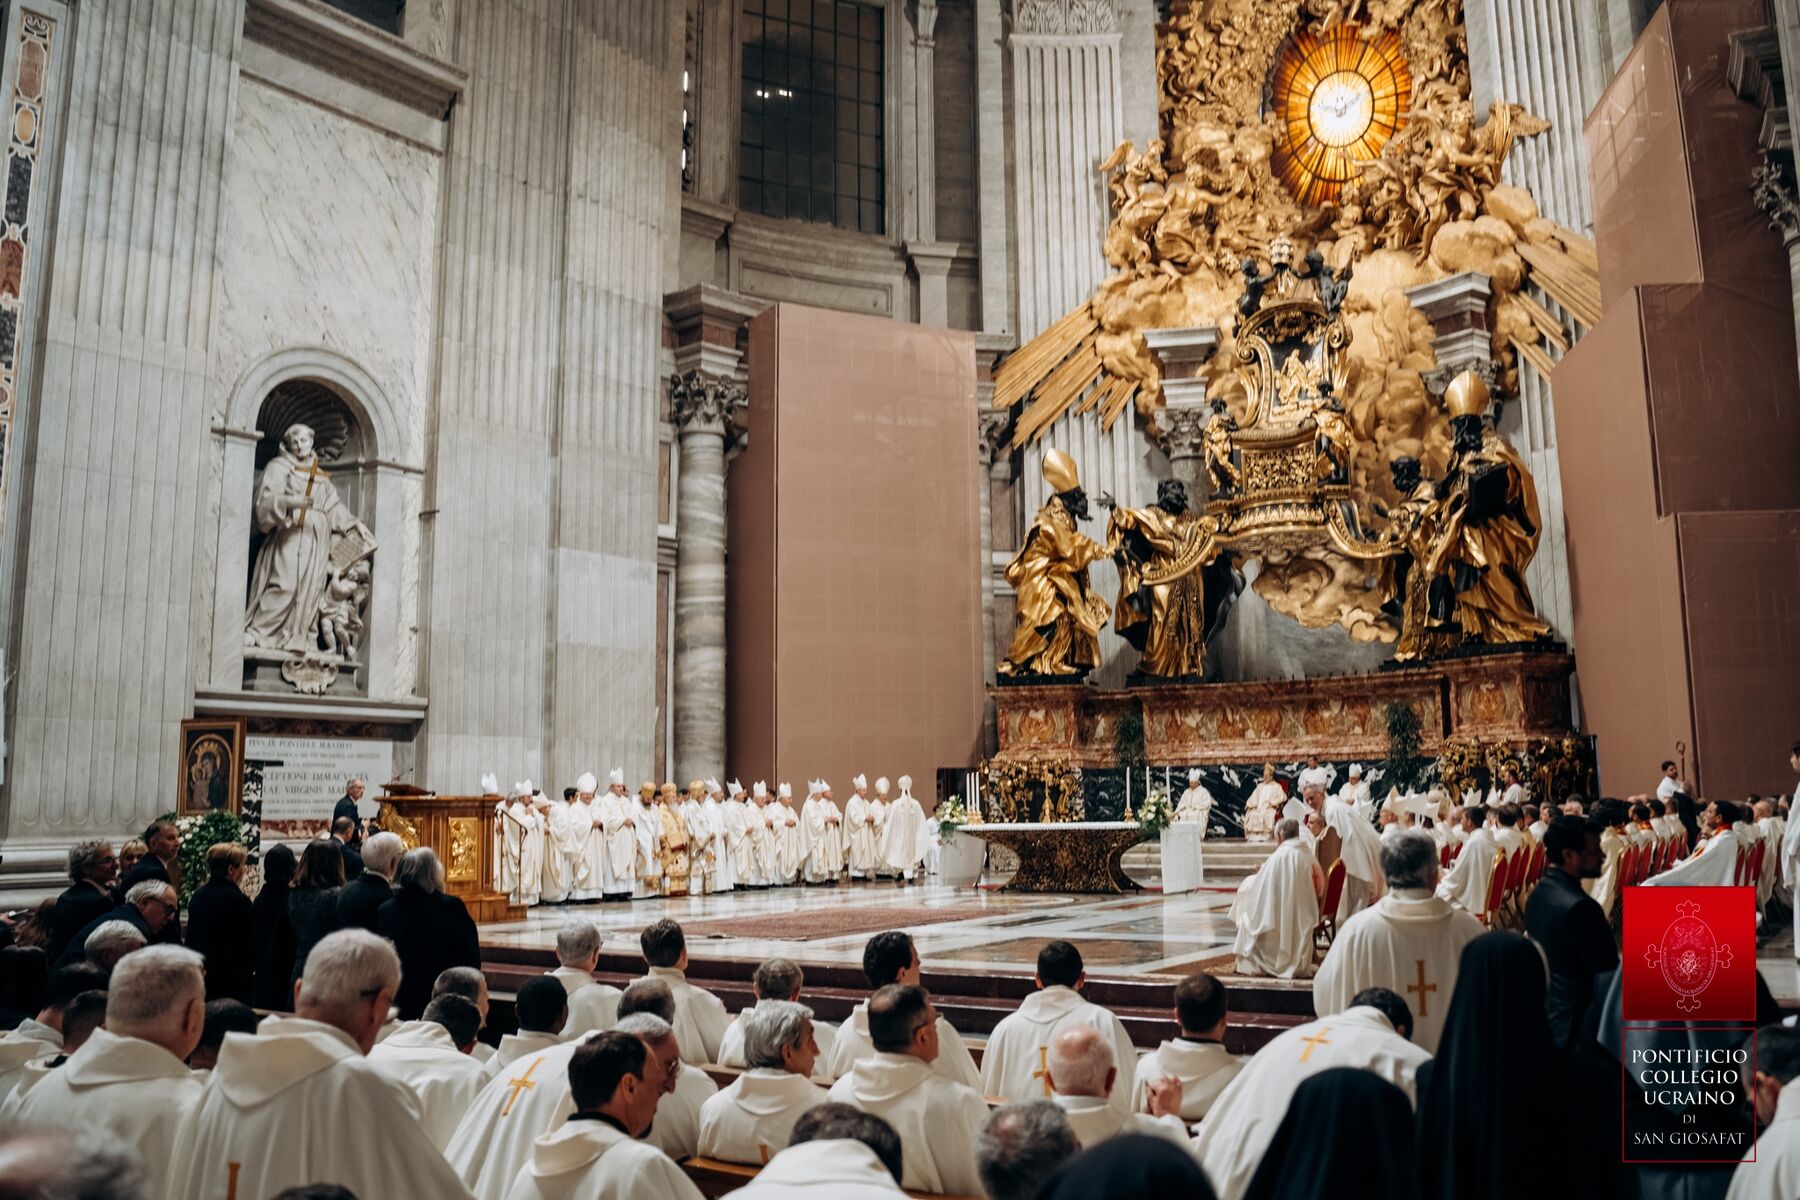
column 200, row 832
column 952, row 815
column 1155, row 814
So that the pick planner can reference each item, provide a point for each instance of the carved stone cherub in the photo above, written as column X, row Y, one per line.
column 340, row 611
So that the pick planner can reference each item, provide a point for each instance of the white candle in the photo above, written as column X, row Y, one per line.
column 1127, row 791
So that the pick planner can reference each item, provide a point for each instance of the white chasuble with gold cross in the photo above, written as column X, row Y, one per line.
column 1409, row 943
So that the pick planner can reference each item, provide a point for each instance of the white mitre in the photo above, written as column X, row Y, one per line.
column 1356, row 770
column 860, row 783
column 785, row 792
column 616, row 775
column 761, row 789
column 490, row 784
column 735, row 788
column 881, row 786
column 1193, row 776
column 906, row 783
column 585, row 785
column 713, row 788
column 813, row 788
column 522, row 790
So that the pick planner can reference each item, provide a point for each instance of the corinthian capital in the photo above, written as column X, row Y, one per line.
column 1182, row 429
column 1772, row 188
column 699, row 401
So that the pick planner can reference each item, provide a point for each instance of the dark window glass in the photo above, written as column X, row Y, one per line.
column 812, row 122
column 382, row 14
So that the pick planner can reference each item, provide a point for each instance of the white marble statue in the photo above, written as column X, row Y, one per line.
column 299, row 513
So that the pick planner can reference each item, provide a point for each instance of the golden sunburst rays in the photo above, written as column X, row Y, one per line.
column 1339, row 96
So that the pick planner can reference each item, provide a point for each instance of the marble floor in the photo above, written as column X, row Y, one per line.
column 1136, row 936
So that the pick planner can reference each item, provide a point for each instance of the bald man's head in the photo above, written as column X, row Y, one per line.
column 1081, row 1062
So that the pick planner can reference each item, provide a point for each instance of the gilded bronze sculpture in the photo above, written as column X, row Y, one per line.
column 1057, row 622
column 1162, row 552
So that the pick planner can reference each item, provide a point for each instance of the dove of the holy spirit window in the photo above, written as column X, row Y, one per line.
column 1340, row 95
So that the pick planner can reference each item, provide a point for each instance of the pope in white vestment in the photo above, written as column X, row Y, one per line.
column 1275, row 913
column 1410, row 942
column 903, row 846
column 1204, row 1069
column 1014, row 1063
column 937, row 1120
column 592, row 1159
column 1245, row 1116
column 1360, row 848
column 1196, row 803
column 296, row 1102
column 421, row 1055
column 751, row 1120
column 132, row 1088
column 852, row 1044
column 824, row 834
column 859, row 831
column 836, row 1169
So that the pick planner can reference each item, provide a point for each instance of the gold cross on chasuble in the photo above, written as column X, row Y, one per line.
column 1043, row 1071
column 1316, row 1040
column 1421, row 987
column 520, row 1085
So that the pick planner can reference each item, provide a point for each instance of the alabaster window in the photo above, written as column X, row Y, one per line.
column 812, row 119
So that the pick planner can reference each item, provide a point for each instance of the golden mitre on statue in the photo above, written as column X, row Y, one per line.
column 1060, row 471
column 1467, row 396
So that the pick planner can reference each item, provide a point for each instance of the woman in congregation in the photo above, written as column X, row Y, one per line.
column 430, row 928
column 221, row 924
column 312, row 902
column 272, row 934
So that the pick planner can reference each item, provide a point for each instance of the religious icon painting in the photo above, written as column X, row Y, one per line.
column 211, row 766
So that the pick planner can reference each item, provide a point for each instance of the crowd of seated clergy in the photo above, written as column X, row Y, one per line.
column 126, row 1073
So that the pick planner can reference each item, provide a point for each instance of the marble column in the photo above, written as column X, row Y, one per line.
column 701, row 407
column 1183, row 433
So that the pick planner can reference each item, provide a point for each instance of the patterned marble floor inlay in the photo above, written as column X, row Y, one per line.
column 1143, row 935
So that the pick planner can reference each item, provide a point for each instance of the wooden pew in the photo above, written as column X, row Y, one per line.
column 715, row 1178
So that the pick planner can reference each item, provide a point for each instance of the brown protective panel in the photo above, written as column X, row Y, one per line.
column 1741, row 576
column 1630, row 653
column 859, row 650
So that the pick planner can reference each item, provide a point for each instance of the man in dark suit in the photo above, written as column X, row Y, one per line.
column 361, row 900
column 343, row 832
column 149, row 905
column 92, row 866
column 346, row 806
column 1568, row 925
column 162, row 863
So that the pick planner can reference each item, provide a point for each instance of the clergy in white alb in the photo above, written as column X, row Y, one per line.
column 593, row 1006
column 836, row 1168
column 937, row 1120
column 1410, row 942
column 1196, row 803
column 541, row 1007
column 1357, row 793
column 676, row 1128
column 1465, row 884
column 700, row 1017
column 1245, row 1116
column 513, row 1109
column 761, row 838
column 775, row 979
column 1775, row 1173
column 647, row 829
column 903, row 845
column 131, row 1078
column 879, row 807
column 710, row 817
column 1197, row 1059
column 1670, row 783
column 298, row 1102
column 891, row 957
column 1712, row 863
column 752, row 1119
column 824, row 832
column 1084, row 1078
column 519, row 850
column 1013, row 1064
column 1277, row 908
column 1615, row 839
column 859, row 831
column 790, row 836
column 735, row 816
column 431, row 1057
column 1360, row 848
column 1315, row 775
column 1768, row 833
column 596, row 1154
column 587, row 848
column 615, row 811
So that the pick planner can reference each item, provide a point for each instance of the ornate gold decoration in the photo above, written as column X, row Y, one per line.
column 463, row 864
column 1472, row 765
column 1340, row 96
column 1161, row 609
column 1010, row 786
column 390, row 820
column 1206, row 194
column 1065, row 860
column 1057, row 622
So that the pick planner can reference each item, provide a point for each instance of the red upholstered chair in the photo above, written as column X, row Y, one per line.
column 1538, row 857
column 1756, row 864
column 1496, row 890
column 1444, row 856
column 1326, row 929
column 1628, row 866
column 1741, row 870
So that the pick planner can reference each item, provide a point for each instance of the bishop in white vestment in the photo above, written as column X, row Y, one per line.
column 1360, row 848
column 586, row 849
column 1410, row 942
column 561, row 842
column 648, row 829
column 903, row 846
column 298, row 1102
column 790, row 837
column 1247, row 1113
column 617, row 813
column 519, row 871
column 1277, row 908
column 824, row 834
column 722, row 875
column 859, row 831
column 879, row 807
column 737, row 814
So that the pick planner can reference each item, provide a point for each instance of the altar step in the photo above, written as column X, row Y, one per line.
column 1228, row 862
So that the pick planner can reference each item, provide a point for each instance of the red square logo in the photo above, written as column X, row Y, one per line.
column 1689, row 954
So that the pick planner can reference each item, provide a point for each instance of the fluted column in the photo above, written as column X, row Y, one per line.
column 701, row 406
